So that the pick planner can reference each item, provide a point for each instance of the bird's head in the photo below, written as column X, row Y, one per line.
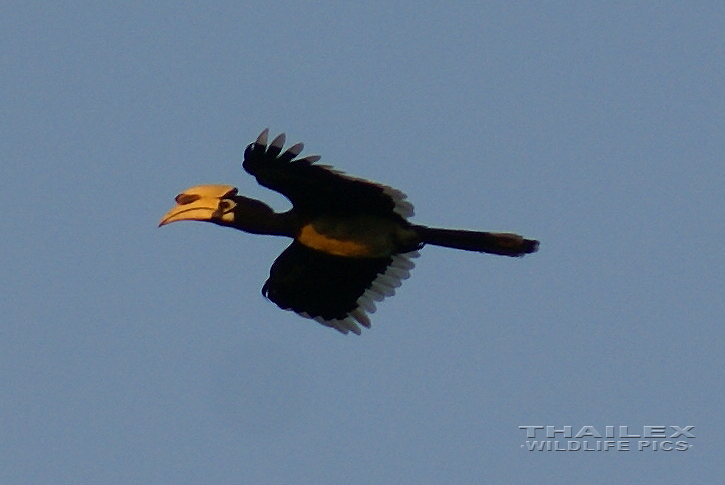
column 221, row 205
column 210, row 203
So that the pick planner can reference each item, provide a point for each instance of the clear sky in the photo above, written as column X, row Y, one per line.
column 132, row 354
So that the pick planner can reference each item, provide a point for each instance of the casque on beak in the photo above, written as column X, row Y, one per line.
column 212, row 203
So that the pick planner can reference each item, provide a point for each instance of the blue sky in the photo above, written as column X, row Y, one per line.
column 132, row 354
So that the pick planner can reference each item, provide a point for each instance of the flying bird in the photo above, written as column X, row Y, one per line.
column 352, row 241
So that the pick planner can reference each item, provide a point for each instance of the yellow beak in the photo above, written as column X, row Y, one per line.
column 202, row 203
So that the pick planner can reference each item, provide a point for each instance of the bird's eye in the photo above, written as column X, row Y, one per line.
column 226, row 205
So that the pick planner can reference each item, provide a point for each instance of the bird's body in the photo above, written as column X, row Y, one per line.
column 352, row 238
column 361, row 235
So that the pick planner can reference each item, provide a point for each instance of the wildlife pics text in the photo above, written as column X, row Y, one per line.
column 613, row 438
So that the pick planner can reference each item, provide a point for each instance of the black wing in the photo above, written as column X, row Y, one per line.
column 318, row 189
column 333, row 290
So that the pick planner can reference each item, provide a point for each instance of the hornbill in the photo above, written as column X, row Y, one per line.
column 352, row 243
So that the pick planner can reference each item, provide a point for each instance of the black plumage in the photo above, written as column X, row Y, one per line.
column 352, row 241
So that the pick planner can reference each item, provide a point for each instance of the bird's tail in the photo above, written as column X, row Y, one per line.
column 503, row 243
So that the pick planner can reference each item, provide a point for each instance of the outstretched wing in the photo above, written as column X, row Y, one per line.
column 319, row 189
column 335, row 291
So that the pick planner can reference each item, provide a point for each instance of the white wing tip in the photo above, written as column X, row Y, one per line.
column 295, row 150
column 279, row 140
column 262, row 138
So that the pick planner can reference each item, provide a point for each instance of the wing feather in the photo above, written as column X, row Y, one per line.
column 319, row 189
column 335, row 291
